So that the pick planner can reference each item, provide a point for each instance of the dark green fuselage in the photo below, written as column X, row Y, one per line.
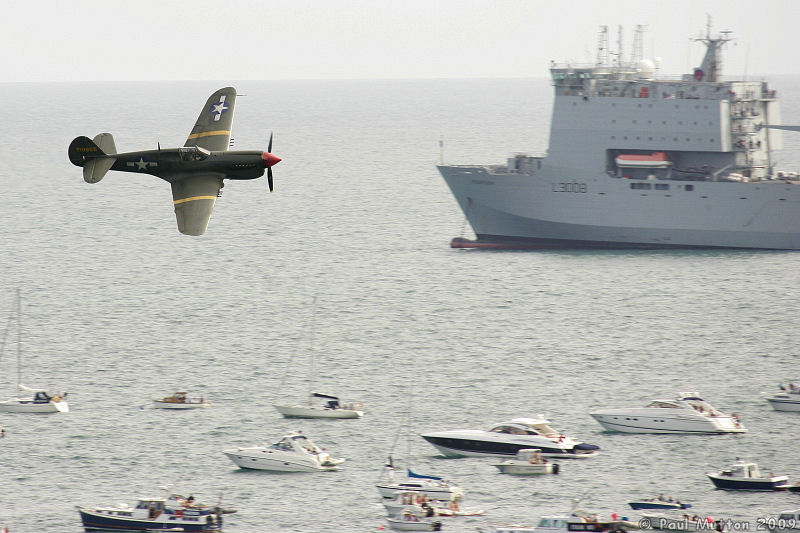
column 175, row 164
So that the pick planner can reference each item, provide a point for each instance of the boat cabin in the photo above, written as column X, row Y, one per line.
column 742, row 470
column 296, row 443
column 687, row 401
column 152, row 507
column 790, row 517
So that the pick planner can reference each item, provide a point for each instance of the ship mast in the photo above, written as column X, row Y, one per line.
column 711, row 68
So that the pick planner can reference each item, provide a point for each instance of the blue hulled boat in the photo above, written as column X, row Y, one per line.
column 746, row 476
column 173, row 513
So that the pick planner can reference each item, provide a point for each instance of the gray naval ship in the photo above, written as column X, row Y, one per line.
column 640, row 161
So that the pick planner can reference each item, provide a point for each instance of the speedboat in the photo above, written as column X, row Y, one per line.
column 527, row 461
column 330, row 408
column 788, row 399
column 293, row 453
column 659, row 502
column 153, row 514
column 180, row 400
column 434, row 487
column 688, row 413
column 746, row 476
column 507, row 438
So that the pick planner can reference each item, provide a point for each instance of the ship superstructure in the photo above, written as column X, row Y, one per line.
column 640, row 160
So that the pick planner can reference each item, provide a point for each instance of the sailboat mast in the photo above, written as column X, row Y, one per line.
column 19, row 338
column 313, row 358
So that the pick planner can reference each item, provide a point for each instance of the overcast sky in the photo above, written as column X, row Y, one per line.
column 299, row 39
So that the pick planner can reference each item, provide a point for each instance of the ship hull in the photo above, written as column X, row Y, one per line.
column 509, row 210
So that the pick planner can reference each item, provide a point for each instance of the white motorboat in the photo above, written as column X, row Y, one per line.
column 180, row 400
column 788, row 399
column 434, row 487
column 41, row 400
column 744, row 475
column 508, row 438
column 688, row 413
column 293, row 453
column 409, row 521
column 330, row 407
column 527, row 461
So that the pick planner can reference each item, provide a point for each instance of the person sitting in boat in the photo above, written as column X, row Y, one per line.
column 189, row 502
column 454, row 505
column 536, row 459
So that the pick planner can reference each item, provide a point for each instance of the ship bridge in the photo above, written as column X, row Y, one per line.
column 708, row 126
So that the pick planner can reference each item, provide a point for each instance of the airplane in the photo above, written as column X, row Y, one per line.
column 195, row 171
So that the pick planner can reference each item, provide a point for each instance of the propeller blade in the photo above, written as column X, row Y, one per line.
column 269, row 146
column 269, row 178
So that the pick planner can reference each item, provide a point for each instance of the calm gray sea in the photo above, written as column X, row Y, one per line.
column 119, row 308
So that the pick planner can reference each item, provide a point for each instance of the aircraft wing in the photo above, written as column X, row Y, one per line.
column 194, row 200
column 212, row 130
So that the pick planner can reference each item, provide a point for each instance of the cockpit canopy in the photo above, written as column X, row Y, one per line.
column 193, row 153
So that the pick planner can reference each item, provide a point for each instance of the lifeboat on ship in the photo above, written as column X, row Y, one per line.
column 653, row 160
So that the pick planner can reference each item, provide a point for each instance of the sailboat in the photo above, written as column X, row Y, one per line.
column 319, row 405
column 41, row 400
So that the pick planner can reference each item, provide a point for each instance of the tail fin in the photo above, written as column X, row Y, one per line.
column 93, row 155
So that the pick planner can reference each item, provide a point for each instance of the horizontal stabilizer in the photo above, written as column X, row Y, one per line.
column 95, row 169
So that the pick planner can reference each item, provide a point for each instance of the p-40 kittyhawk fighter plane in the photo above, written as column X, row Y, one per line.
column 195, row 171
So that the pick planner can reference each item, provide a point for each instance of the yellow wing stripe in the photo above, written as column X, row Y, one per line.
column 209, row 133
column 193, row 198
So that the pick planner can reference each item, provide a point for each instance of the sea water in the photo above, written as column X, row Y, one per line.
column 347, row 265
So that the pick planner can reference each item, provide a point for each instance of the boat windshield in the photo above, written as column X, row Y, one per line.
column 544, row 429
column 282, row 444
column 513, row 430
column 664, row 405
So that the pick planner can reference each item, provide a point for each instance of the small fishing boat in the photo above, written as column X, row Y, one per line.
column 659, row 502
column 527, row 461
column 153, row 514
column 293, row 453
column 434, row 487
column 746, row 476
column 425, row 507
column 180, row 400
